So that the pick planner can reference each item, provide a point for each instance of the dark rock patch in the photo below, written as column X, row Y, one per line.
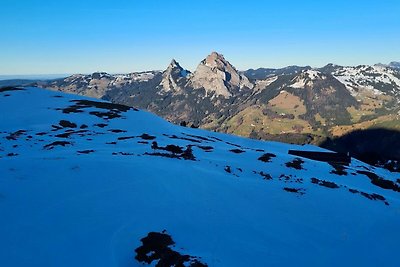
column 206, row 148
column 237, row 151
column 105, row 115
column 157, row 247
column 373, row 196
column 67, row 124
column 8, row 89
column 102, row 105
column 12, row 154
column 177, row 151
column 369, row 196
column 126, row 137
column 295, row 164
column 57, row 143
column 267, row 157
column 146, row 136
column 290, row 179
column 100, row 125
column 228, row 169
column 232, row 144
column 111, row 143
column 266, row 176
column 299, row 191
column 143, row 142
column 284, row 177
column 84, row 126
column 112, row 110
column 202, row 138
column 15, row 135
column 67, row 134
column 41, row 133
column 183, row 138
column 188, row 154
column 174, row 149
column 324, row 183
column 338, row 169
column 380, row 182
column 56, row 128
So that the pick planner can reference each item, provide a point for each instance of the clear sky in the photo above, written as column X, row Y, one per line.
column 57, row 36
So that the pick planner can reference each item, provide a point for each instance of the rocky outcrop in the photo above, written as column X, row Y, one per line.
column 216, row 75
column 173, row 76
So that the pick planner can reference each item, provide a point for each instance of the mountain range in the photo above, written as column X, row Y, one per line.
column 86, row 182
column 293, row 104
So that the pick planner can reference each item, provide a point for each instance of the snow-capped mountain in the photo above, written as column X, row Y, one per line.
column 377, row 79
column 85, row 182
column 99, row 83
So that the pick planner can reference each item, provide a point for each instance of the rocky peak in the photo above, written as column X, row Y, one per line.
column 215, row 60
column 216, row 74
column 174, row 63
column 172, row 77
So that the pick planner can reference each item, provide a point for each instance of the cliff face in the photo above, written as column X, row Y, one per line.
column 215, row 74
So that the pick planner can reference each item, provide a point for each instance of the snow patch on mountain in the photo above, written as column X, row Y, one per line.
column 262, row 84
column 372, row 78
column 307, row 78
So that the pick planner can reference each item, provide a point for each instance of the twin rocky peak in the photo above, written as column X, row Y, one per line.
column 215, row 74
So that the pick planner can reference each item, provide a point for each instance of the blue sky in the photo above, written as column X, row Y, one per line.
column 43, row 36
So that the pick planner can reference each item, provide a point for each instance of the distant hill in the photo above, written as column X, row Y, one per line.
column 17, row 82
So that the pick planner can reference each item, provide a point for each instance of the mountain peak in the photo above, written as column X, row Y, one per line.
column 216, row 74
column 172, row 75
column 174, row 63
column 216, row 60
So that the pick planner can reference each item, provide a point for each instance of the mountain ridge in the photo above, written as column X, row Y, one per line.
column 292, row 104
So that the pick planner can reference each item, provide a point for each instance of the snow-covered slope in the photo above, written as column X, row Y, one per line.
column 83, row 182
column 379, row 79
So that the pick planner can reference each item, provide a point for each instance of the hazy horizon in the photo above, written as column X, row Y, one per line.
column 61, row 75
column 129, row 36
